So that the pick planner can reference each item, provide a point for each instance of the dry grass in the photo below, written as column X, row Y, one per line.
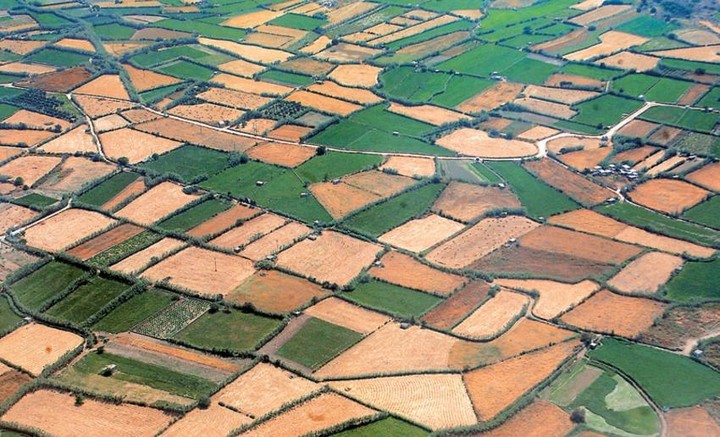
column 33, row 347
column 13, row 215
column 421, row 234
column 66, row 228
column 359, row 75
column 410, row 166
column 30, row 168
column 554, row 297
column 630, row 61
column 107, row 85
column 248, row 231
column 646, row 274
column 401, row 269
column 434, row 115
column 541, row 418
column 477, row 143
column 611, row 41
column 491, row 98
column 493, row 316
column 668, row 195
column 135, row 262
column 276, row 292
column 323, row 103
column 156, row 203
column 215, row 420
column 345, row 314
column 134, row 145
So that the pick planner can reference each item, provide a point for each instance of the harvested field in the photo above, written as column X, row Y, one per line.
column 584, row 159
column 105, row 241
column 569, row 182
column 109, row 122
column 410, row 166
column 491, row 98
column 286, row 155
column 494, row 316
column 133, row 189
column 421, row 234
column 466, row 202
column 379, row 183
column 666, row 165
column 494, row 388
column 12, row 259
column 554, row 298
column 431, row 114
column 61, row 81
column 214, row 420
column 23, row 68
column 224, row 220
column 33, row 347
column 138, row 260
column 526, row 335
column 708, row 176
column 413, row 30
column 324, row 411
column 646, row 274
column 10, row 152
column 557, row 110
column 347, row 315
column 13, row 215
column 319, row 258
column 275, row 292
column 257, row 54
column 308, row 66
column 481, row 239
column 637, row 128
column 252, row 19
column 577, row 81
column 702, row 54
column 249, row 231
column 448, row 313
column 207, row 113
column 359, row 75
column 256, row 126
column 634, row 155
column 666, row 195
column 290, row 132
column 398, row 268
column 97, row 106
column 19, row 46
column 330, row 88
column 24, row 137
column 477, row 143
column 608, row 312
column 691, row 422
column 693, row 94
column 435, row 401
column 241, row 68
column 156, row 203
column 135, row 145
column 275, row 241
column 347, row 53
column 268, row 40
column 233, row 98
column 577, row 244
column 10, row 382
column 538, row 133
column 541, row 417
column 57, row 414
column 34, row 120
column 317, row 46
column 665, row 136
column 571, row 39
column 202, row 270
column 250, row 85
column 107, row 85
column 341, row 199
column 630, row 61
column 323, row 103
column 562, row 95
column 120, row 48
column 66, row 228
column 74, row 43
column 599, row 14
column 74, row 173
column 349, row 11
column 611, row 41
column 681, row 326
column 194, row 134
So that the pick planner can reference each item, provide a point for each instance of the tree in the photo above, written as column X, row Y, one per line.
column 578, row 416
column 18, row 182
column 79, row 399
column 204, row 403
column 321, row 150
column 123, row 160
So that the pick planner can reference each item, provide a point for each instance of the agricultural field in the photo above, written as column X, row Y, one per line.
column 359, row 217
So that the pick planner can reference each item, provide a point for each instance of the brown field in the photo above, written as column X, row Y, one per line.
column 257, row 54
column 691, row 422
column 435, row 401
column 19, row 46
column 317, row 46
column 544, row 107
column 66, row 228
column 494, row 388
column 537, row 133
column 666, row 165
column 577, row 244
column 263, row 389
column 526, row 335
column 12, row 259
column 356, row 95
column 556, row 145
column 10, row 152
column 348, row 11
column 554, row 297
column 275, row 241
column 494, row 316
column 289, row 132
column 309, row 66
column 268, row 40
column 379, row 183
column 207, row 113
column 708, row 176
column 105, row 241
column 540, row 418
column 61, row 81
column 630, row 61
column 612, row 313
column 79, row 44
column 539, row 264
column 666, row 135
column 133, row 189
column 109, row 122
column 413, row 30
column 434, row 45
column 34, row 120
column 410, row 166
column 702, row 54
column 215, row 420
column 286, row 155
column 681, row 326
column 637, row 128
column 283, row 31
column 241, row 68
column 666, row 195
column 33, row 347
column 347, row 315
column 347, row 53
column 57, row 414
column 249, row 231
column 23, row 137
column 571, row 39
column 98, row 106
column 324, row 411
column 646, row 274
column 466, row 202
column 448, row 313
column 135, row 262
column 587, row 5
column 569, row 182
column 194, row 134
column 398, row 268
column 565, row 79
column 434, row 115
column 252, row 19
column 584, row 159
column 693, row 94
column 74, row 173
column 107, row 85
column 341, row 199
column 135, row 145
column 634, row 155
column 202, row 270
column 323, row 103
column 599, row 14
column 224, row 220
column 567, row 96
column 474, row 142
column 256, row 126
column 611, row 41
column 650, row 160
column 276, row 292
column 421, row 234
column 251, row 86
column 144, row 80
column 481, row 239
column 119, row 48
column 13, row 215
column 22, row 68
column 491, row 98
column 7, row 188
column 156, row 203
column 322, row 258
column 10, row 382
column 359, row 75
column 233, row 98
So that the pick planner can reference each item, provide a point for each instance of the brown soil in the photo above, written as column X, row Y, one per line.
column 276, row 292
column 474, row 142
column 109, row 122
column 553, row 298
column 708, row 176
column 491, row 98
column 682, row 323
column 667, row 195
column 66, row 228
column 133, row 189
column 12, row 259
column 568, row 96
column 10, row 383
column 250, row 85
column 318, row 45
column 105, row 86
column 466, row 202
column 33, row 347
column 611, row 41
column 34, row 120
column 599, row 14
column 421, row 234
column 323, row 103
column 356, row 75
column 494, row 316
column 355, row 95
column 61, row 81
column 414, row 30
column 73, row 174
column 347, row 53
column 135, row 145
column 630, row 61
column 79, row 44
column 584, row 159
column 309, row 66
column 222, row 221
column 241, row 68
column 540, row 418
column 637, row 128
column 105, row 241
column 691, row 422
column 233, row 98
column 646, row 274
column 290, row 132
column 97, row 106
column 158, row 202
column 573, row 38
column 281, row 154
column 410, row 166
column 576, row 244
column 135, row 262
column 215, row 420
column 207, row 113
column 634, row 155
column 568, row 182
column 537, row 133
column 403, row 270
column 665, row 136
column 453, row 309
column 275, row 241
column 13, row 215
column 194, row 134
column 427, row 113
column 249, row 52
column 347, row 315
column 22, row 137
column 249, row 231
column 29, row 69
column 557, row 110
column 702, row 54
column 341, row 199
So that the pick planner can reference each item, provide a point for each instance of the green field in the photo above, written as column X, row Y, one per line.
column 124, row 249
column 538, row 198
column 114, row 31
column 194, row 216
column 606, row 110
column 591, row 71
column 429, row 34
column 158, row 57
column 685, row 118
column 206, row 29
column 653, row 370
column 406, row 84
column 317, row 342
column 108, row 189
column 647, row 26
column 187, row 70
column 234, row 331
column 240, row 180
column 392, row 299
column 387, row 427
column 696, row 281
column 7, row 110
column 699, row 144
column 35, row 200
column 45, row 283
column 130, row 313
column 333, row 165
column 706, row 213
column 494, row 59
column 189, row 162
column 681, row 64
column 296, row 21
column 8, row 317
column 172, row 319
column 58, row 58
column 87, row 299
column 286, row 78
column 381, row 218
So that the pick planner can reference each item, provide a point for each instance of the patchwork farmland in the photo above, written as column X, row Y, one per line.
column 360, row 218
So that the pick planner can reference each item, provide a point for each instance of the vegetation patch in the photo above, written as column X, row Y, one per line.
column 45, row 283
column 392, row 299
column 232, row 330
column 140, row 307
column 87, row 300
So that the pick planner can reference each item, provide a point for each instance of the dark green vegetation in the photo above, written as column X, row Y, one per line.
column 194, row 216
column 45, row 283
column 108, row 189
column 706, row 213
column 7, row 110
column 130, row 313
column 114, row 31
column 127, row 247
column 187, row 70
column 35, row 200
column 691, row 119
column 206, row 29
column 407, row 84
column 606, row 110
column 650, row 368
column 647, row 26
column 538, row 198
column 234, row 330
column 387, row 427
column 392, row 299
column 8, row 317
column 381, row 218
column 699, row 144
column 696, row 281
column 317, row 342
column 87, row 299
column 285, row 78
column 189, row 162
column 296, row 21
column 58, row 58
column 333, row 165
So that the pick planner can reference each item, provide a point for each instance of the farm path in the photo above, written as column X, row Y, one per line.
column 91, row 126
column 270, row 348
column 691, row 343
